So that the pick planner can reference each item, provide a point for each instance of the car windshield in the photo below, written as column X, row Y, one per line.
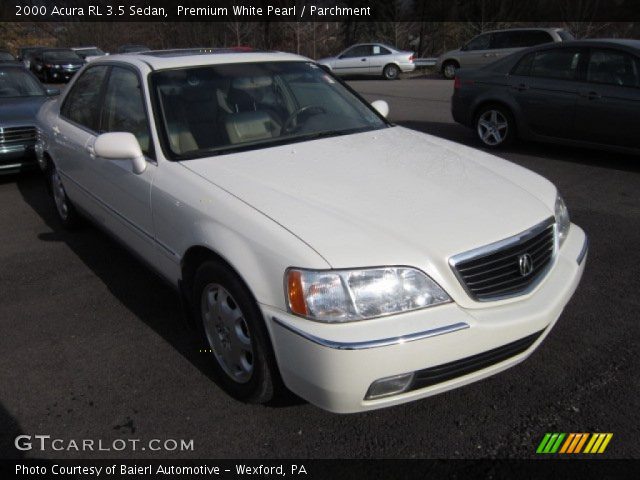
column 6, row 56
column 222, row 108
column 61, row 56
column 15, row 82
column 90, row 52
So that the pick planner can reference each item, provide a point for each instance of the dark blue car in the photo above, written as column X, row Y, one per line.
column 21, row 95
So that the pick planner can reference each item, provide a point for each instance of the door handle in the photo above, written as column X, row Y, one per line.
column 521, row 87
column 363, row 59
column 591, row 95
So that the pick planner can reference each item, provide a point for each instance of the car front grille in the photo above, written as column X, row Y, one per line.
column 17, row 136
column 507, row 268
column 447, row 371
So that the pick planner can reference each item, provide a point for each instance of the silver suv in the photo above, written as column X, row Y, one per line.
column 490, row 46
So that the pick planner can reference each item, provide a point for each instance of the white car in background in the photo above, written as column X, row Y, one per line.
column 376, row 59
column 318, row 246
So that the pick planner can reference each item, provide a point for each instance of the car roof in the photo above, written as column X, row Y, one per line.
column 519, row 29
column 594, row 42
column 180, row 58
column 83, row 48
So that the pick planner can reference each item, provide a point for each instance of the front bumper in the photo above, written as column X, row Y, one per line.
column 333, row 366
column 17, row 158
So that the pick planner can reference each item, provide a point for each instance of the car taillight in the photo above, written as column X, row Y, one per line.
column 412, row 57
column 457, row 83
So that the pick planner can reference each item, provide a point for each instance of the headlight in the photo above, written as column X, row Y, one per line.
column 349, row 295
column 562, row 220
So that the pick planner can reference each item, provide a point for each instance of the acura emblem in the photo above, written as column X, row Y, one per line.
column 525, row 264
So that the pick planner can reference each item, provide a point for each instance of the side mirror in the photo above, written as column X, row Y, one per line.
column 381, row 107
column 52, row 92
column 121, row 146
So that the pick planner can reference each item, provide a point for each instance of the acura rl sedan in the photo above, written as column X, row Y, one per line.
column 583, row 93
column 309, row 253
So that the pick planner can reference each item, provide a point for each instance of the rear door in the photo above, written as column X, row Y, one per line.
column 545, row 85
column 608, row 109
column 354, row 61
column 477, row 52
column 74, row 129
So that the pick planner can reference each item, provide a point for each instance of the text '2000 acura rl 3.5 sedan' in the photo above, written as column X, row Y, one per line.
column 317, row 246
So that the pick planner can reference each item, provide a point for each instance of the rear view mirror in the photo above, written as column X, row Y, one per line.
column 381, row 107
column 121, row 146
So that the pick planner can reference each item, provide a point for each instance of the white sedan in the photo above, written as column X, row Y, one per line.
column 316, row 245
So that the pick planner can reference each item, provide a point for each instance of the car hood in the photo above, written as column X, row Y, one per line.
column 19, row 110
column 390, row 196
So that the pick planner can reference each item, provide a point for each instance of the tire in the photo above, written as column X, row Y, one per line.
column 391, row 72
column 495, row 126
column 235, row 334
column 449, row 69
column 65, row 210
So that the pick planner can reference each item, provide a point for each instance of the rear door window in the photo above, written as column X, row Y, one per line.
column 561, row 64
column 82, row 104
column 481, row 42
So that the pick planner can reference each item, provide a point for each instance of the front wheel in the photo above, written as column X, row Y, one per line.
column 391, row 72
column 234, row 330
column 495, row 126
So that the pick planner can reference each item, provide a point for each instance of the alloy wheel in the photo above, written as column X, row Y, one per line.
column 493, row 127
column 59, row 195
column 228, row 333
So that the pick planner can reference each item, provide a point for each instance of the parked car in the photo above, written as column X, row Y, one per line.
column 21, row 95
column 133, row 49
column 6, row 57
column 370, row 59
column 308, row 251
column 55, row 65
column 580, row 93
column 488, row 47
column 88, row 53
column 25, row 54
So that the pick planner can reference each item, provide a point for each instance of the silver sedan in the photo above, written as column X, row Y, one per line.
column 371, row 59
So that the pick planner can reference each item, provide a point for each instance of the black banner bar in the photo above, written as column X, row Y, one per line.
column 485, row 11
column 583, row 469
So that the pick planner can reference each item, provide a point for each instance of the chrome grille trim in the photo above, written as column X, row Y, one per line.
column 491, row 273
column 21, row 135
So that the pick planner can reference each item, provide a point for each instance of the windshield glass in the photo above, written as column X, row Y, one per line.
column 223, row 108
column 90, row 52
column 15, row 82
column 61, row 56
column 6, row 56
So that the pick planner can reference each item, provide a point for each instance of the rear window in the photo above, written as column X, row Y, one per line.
column 565, row 36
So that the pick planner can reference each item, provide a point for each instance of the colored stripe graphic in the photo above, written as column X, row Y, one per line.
column 573, row 443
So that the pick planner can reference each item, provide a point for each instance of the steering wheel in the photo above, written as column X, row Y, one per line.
column 313, row 109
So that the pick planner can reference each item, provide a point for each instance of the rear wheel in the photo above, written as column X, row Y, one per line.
column 67, row 214
column 391, row 72
column 234, row 330
column 449, row 69
column 495, row 126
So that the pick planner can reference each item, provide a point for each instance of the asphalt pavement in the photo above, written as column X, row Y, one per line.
column 93, row 346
